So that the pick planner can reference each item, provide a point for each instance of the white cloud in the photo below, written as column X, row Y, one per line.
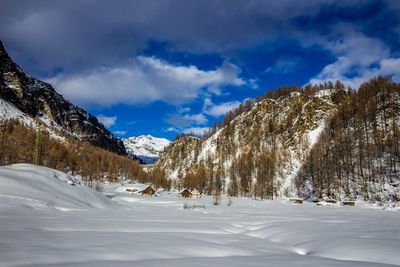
column 284, row 65
column 171, row 129
column 120, row 133
column 184, row 110
column 106, row 120
column 195, row 123
column 196, row 130
column 391, row 67
column 220, row 109
column 183, row 121
column 339, row 70
column 145, row 80
column 358, row 58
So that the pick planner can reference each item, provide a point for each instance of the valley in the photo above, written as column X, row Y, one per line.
column 199, row 133
column 120, row 229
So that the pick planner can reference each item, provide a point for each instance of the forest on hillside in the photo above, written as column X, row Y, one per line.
column 18, row 144
column 357, row 154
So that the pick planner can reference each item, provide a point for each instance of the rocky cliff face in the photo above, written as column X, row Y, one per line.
column 179, row 156
column 277, row 133
column 39, row 100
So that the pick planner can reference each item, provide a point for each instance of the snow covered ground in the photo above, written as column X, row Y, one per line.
column 46, row 221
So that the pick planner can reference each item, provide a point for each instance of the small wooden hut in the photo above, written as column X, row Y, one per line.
column 149, row 191
column 142, row 189
column 185, row 193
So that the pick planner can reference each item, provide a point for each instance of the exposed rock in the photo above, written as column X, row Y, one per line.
column 39, row 100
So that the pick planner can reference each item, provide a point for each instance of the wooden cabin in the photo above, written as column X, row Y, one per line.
column 149, row 191
column 185, row 193
column 141, row 189
column 196, row 194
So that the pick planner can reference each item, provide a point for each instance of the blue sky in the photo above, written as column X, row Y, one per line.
column 165, row 67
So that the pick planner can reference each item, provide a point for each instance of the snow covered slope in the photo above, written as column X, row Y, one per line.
column 145, row 147
column 41, row 188
column 157, row 231
column 9, row 111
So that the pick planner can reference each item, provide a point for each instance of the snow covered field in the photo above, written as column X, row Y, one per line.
column 40, row 226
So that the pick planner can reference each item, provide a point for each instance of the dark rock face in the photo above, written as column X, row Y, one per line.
column 39, row 99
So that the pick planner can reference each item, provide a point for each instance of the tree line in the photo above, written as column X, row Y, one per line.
column 68, row 154
column 358, row 154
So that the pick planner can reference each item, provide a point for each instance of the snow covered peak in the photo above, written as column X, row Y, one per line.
column 145, row 147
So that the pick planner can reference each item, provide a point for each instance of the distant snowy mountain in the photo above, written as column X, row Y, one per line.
column 145, row 147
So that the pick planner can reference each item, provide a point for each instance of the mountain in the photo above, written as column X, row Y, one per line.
column 320, row 141
column 280, row 132
column 35, row 99
column 146, row 147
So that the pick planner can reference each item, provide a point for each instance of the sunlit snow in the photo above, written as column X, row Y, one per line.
column 48, row 219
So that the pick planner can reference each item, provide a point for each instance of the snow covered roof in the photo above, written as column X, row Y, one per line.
column 134, row 187
column 183, row 190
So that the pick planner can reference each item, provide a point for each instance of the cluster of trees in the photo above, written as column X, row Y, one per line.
column 93, row 164
column 249, row 175
column 265, row 138
column 358, row 154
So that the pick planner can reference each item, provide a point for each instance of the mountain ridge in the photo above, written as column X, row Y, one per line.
column 286, row 127
column 40, row 100
column 317, row 142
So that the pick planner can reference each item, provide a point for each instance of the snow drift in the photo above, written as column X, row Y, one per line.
column 40, row 187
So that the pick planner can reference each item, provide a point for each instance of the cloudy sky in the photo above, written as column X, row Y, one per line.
column 162, row 67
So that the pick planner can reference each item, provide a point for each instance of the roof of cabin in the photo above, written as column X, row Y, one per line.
column 138, row 187
column 183, row 190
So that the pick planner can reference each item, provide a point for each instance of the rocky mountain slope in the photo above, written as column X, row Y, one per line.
column 257, row 153
column 146, row 147
column 39, row 100
column 312, row 142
